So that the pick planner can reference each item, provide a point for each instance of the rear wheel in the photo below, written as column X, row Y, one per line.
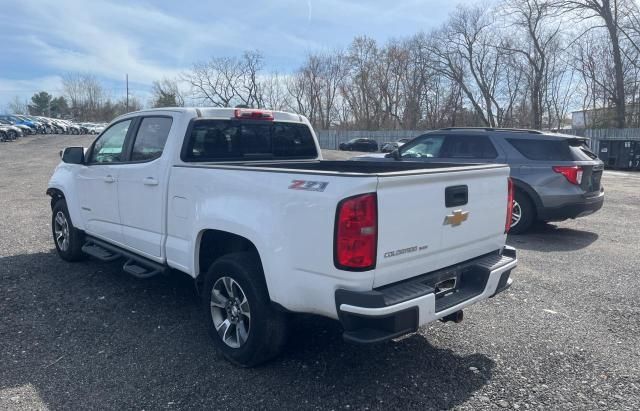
column 243, row 324
column 523, row 215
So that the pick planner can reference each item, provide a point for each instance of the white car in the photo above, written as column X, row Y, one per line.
column 242, row 201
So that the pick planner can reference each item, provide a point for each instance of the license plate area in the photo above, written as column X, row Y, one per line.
column 595, row 181
column 446, row 287
column 453, row 287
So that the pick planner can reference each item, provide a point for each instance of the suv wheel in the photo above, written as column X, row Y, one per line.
column 523, row 215
column 243, row 324
column 67, row 239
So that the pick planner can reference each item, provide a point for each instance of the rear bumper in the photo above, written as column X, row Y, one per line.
column 400, row 308
column 584, row 207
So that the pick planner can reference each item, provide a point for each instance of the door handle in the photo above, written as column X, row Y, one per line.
column 109, row 179
column 150, row 181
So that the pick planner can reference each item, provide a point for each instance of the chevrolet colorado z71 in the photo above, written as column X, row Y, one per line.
column 242, row 201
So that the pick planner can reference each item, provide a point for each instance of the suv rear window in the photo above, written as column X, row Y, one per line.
column 237, row 140
column 581, row 150
column 542, row 150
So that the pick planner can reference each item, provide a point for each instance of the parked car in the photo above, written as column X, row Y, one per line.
column 242, row 201
column 359, row 144
column 74, row 129
column 99, row 127
column 25, row 130
column 40, row 124
column 90, row 128
column 11, row 130
column 17, row 119
column 59, row 127
column 556, row 176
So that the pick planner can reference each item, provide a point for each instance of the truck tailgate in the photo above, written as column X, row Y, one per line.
column 419, row 233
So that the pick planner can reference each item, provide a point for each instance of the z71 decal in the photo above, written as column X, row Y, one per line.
column 308, row 185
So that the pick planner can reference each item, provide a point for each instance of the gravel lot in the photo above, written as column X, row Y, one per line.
column 88, row 336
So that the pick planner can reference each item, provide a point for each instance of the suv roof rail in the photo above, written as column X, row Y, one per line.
column 513, row 130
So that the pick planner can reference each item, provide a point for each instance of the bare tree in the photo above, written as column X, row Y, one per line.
column 166, row 93
column 465, row 52
column 18, row 106
column 226, row 81
column 360, row 90
column 594, row 61
column 274, row 92
column 608, row 12
column 86, row 95
column 539, row 31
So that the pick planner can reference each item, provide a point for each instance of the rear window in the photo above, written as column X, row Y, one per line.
column 542, row 150
column 581, row 150
column 237, row 140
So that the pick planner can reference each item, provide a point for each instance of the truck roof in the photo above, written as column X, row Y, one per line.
column 222, row 113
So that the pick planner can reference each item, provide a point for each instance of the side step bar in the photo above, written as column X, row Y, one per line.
column 135, row 265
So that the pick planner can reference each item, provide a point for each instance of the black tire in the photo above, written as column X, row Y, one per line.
column 12, row 135
column 267, row 327
column 527, row 213
column 73, row 249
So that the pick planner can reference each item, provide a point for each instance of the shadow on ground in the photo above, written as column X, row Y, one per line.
column 87, row 335
column 547, row 237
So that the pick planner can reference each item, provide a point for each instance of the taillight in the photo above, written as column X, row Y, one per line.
column 251, row 114
column 573, row 174
column 356, row 233
column 507, row 224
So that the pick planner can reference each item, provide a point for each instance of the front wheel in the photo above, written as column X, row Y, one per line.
column 67, row 239
column 523, row 215
column 241, row 320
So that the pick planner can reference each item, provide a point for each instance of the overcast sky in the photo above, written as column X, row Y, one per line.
column 150, row 39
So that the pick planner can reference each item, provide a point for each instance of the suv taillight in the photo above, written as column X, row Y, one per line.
column 507, row 224
column 573, row 174
column 356, row 233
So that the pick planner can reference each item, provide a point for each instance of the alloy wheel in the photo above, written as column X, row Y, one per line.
column 230, row 312
column 516, row 214
column 61, row 231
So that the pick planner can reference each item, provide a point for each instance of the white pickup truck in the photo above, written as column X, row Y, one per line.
column 242, row 201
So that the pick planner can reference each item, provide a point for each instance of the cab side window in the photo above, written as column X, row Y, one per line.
column 151, row 138
column 109, row 147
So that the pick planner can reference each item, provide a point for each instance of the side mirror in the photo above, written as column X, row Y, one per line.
column 73, row 155
column 395, row 154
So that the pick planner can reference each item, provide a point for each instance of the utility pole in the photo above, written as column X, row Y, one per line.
column 127, row 81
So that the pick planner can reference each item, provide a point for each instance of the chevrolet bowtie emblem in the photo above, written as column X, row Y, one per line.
column 456, row 218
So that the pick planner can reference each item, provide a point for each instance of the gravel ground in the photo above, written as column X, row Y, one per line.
column 88, row 336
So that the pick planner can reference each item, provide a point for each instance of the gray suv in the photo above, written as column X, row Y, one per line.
column 556, row 176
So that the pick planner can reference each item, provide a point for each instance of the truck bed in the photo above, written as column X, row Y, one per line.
column 378, row 168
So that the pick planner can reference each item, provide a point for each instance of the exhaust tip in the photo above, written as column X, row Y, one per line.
column 456, row 317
